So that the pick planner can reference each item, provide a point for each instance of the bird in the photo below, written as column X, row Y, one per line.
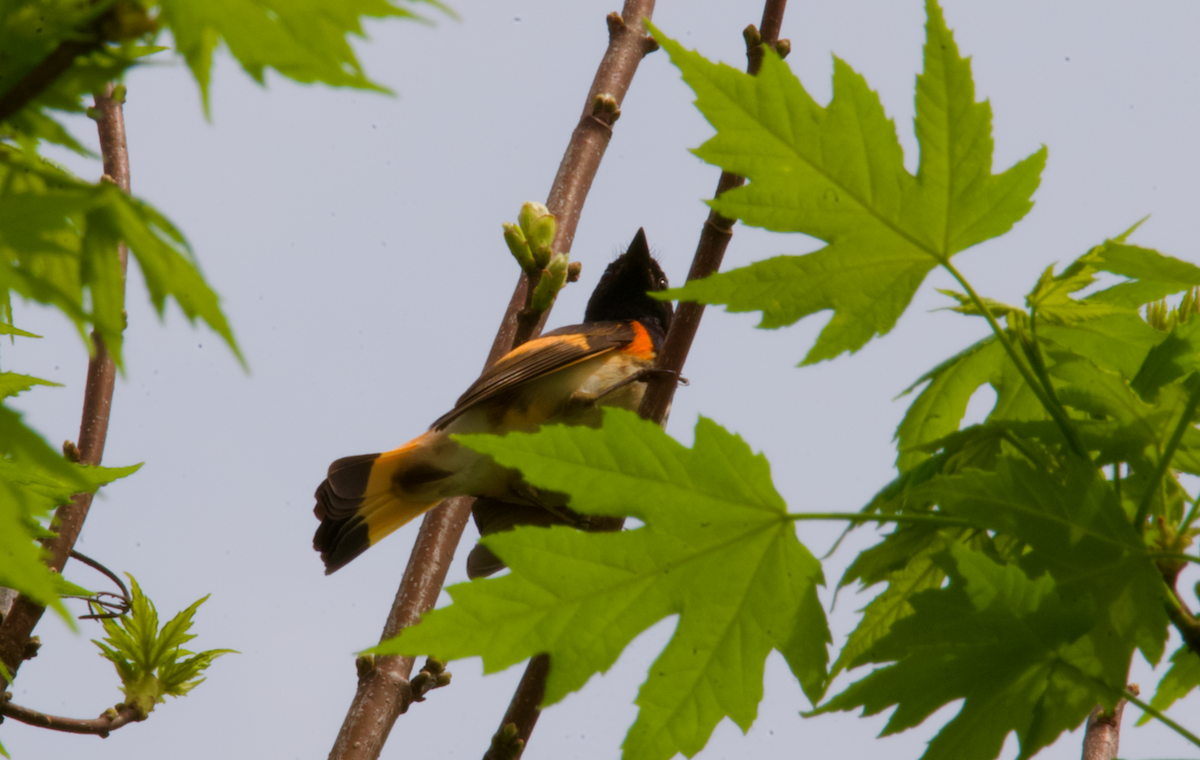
column 564, row 376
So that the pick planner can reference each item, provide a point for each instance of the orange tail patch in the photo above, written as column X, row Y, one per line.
column 364, row 499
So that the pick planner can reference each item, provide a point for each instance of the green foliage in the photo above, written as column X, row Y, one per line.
column 717, row 548
column 304, row 40
column 34, row 479
column 837, row 174
column 58, row 246
column 1180, row 680
column 152, row 663
column 1009, row 646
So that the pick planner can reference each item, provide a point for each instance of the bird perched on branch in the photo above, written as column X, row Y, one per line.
column 564, row 376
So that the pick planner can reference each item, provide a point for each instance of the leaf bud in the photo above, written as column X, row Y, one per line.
column 518, row 246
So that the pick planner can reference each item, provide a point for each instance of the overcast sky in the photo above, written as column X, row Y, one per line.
column 355, row 240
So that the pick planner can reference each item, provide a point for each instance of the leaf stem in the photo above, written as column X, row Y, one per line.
column 1146, row 708
column 1173, row 555
column 859, row 517
column 1164, row 461
column 1056, row 411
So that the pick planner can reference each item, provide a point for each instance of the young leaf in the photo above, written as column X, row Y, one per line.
column 1011, row 647
column 837, row 174
column 151, row 663
column 717, row 549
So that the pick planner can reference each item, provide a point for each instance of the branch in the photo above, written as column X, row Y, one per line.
column 714, row 239
column 384, row 691
column 18, row 625
column 110, row 720
column 1103, row 734
column 523, row 711
column 43, row 75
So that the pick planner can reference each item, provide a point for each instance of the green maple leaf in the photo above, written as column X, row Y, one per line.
column 305, row 40
column 1014, row 649
column 58, row 239
column 717, row 548
column 1179, row 681
column 837, row 174
column 1077, row 531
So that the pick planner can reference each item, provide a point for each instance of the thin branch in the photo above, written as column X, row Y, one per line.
column 18, row 625
column 524, row 709
column 714, row 239
column 110, row 720
column 43, row 75
column 509, row 741
column 384, row 691
column 859, row 517
column 1102, row 737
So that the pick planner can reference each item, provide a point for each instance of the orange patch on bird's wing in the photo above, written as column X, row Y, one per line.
column 641, row 346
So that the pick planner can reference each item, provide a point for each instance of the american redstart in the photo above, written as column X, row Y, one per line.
column 564, row 376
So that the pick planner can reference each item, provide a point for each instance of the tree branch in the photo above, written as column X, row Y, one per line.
column 43, row 75
column 110, row 720
column 524, row 709
column 18, row 625
column 384, row 691
column 1102, row 736
column 714, row 239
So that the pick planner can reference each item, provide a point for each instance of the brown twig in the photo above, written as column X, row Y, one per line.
column 43, row 75
column 18, row 625
column 110, row 720
column 384, row 691
column 1102, row 737
column 524, row 709
column 714, row 239
column 522, row 713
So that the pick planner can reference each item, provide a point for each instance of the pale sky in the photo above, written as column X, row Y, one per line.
column 355, row 240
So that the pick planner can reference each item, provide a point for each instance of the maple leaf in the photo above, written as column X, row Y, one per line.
column 305, row 40
column 1014, row 649
column 717, row 548
column 837, row 173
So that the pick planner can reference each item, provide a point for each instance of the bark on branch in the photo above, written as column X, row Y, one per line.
column 110, row 720
column 18, row 625
column 517, row 726
column 384, row 691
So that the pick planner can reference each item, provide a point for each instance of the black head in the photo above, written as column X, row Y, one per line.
column 621, row 293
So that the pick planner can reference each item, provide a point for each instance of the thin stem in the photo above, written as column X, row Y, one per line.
column 1146, row 708
column 1173, row 555
column 18, row 625
column 121, row 715
column 384, row 691
column 1057, row 413
column 1191, row 516
column 859, row 517
column 1164, row 461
